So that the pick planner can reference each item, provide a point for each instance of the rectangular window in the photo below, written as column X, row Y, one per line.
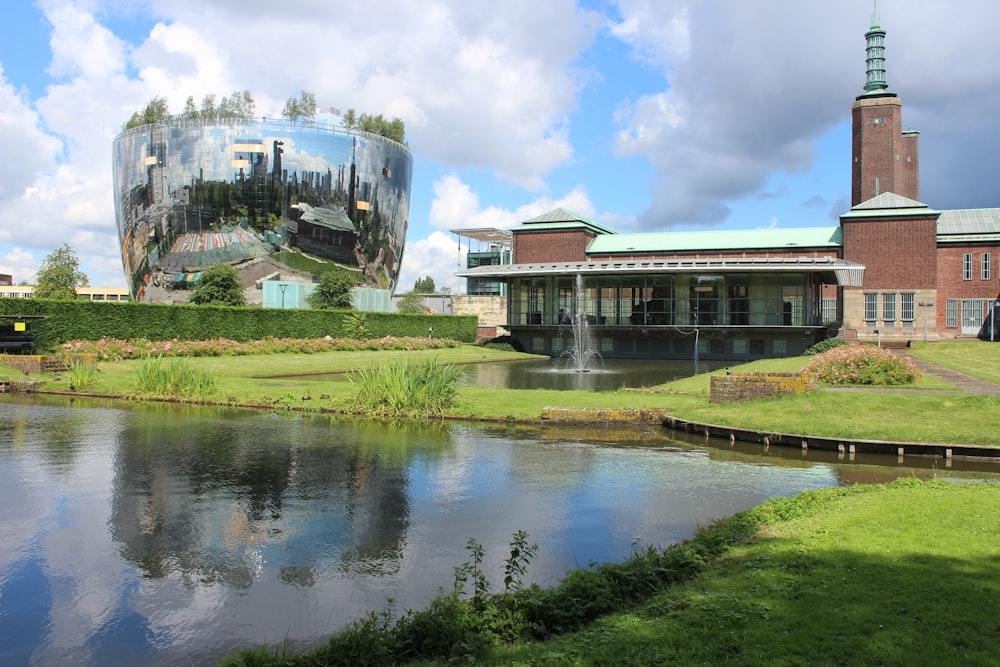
column 906, row 300
column 871, row 308
column 967, row 266
column 828, row 309
column 985, row 275
column 889, row 306
column 951, row 313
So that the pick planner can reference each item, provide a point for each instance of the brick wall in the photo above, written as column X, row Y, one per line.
column 884, row 159
column 897, row 252
column 547, row 247
column 950, row 279
column 745, row 386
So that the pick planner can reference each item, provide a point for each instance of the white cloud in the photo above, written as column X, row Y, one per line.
column 456, row 206
column 18, row 263
column 750, row 87
column 19, row 132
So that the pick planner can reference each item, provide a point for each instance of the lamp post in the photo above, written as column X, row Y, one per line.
column 925, row 305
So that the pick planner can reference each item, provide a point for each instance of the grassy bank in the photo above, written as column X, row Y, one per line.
column 900, row 574
column 920, row 412
column 904, row 574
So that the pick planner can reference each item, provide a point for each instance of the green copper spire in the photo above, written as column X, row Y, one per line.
column 876, row 56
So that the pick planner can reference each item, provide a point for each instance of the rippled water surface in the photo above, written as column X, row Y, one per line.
column 158, row 534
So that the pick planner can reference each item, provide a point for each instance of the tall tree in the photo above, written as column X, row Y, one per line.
column 156, row 110
column 59, row 275
column 424, row 285
column 333, row 291
column 219, row 285
column 302, row 107
column 411, row 302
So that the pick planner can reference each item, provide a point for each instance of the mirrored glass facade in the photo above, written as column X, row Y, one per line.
column 270, row 197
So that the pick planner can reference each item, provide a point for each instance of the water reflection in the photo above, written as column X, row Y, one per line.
column 608, row 375
column 162, row 534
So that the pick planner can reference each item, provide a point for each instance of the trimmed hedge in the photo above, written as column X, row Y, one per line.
column 87, row 320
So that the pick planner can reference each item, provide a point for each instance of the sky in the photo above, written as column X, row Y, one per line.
column 644, row 115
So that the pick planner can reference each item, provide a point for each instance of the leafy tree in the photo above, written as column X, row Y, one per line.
column 393, row 129
column 155, row 111
column 303, row 107
column 424, row 285
column 333, row 291
column 237, row 105
column 208, row 111
column 219, row 285
column 59, row 275
column 411, row 302
column 190, row 110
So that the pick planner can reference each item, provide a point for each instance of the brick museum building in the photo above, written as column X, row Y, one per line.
column 893, row 270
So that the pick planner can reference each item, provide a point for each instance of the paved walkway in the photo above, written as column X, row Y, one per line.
column 965, row 382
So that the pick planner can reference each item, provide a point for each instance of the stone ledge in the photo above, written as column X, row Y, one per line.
column 737, row 386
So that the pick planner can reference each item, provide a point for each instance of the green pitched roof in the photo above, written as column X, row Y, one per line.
column 751, row 239
column 561, row 218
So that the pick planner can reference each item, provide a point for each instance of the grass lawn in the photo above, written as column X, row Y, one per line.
column 978, row 359
column 867, row 413
column 904, row 574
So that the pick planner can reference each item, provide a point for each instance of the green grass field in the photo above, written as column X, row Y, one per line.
column 904, row 574
column 930, row 410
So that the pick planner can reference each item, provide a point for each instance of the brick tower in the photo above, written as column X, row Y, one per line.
column 884, row 158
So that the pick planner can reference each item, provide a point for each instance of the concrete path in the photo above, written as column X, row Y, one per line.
column 966, row 383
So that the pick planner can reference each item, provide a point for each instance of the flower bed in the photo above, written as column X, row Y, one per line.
column 113, row 349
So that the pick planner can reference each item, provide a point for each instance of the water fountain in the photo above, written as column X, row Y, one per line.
column 580, row 357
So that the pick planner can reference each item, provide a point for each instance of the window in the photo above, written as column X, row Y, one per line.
column 828, row 309
column 985, row 275
column 906, row 300
column 967, row 266
column 951, row 313
column 889, row 307
column 871, row 308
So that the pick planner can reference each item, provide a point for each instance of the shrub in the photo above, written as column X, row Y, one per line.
column 404, row 387
column 174, row 378
column 862, row 364
column 825, row 345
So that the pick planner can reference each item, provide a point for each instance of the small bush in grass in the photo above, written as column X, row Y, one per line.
column 173, row 377
column 404, row 386
column 825, row 345
column 862, row 364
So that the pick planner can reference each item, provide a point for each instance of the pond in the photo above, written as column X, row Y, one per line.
column 164, row 534
column 601, row 375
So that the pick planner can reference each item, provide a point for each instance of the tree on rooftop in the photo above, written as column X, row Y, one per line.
column 302, row 107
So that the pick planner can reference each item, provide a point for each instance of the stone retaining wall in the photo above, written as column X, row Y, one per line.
column 747, row 386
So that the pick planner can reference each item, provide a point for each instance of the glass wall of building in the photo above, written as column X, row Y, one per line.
column 679, row 300
column 294, row 197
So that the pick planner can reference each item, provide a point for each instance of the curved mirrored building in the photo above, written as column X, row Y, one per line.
column 288, row 198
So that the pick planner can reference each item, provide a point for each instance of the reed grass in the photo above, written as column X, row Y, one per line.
column 404, row 387
column 173, row 378
column 83, row 376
